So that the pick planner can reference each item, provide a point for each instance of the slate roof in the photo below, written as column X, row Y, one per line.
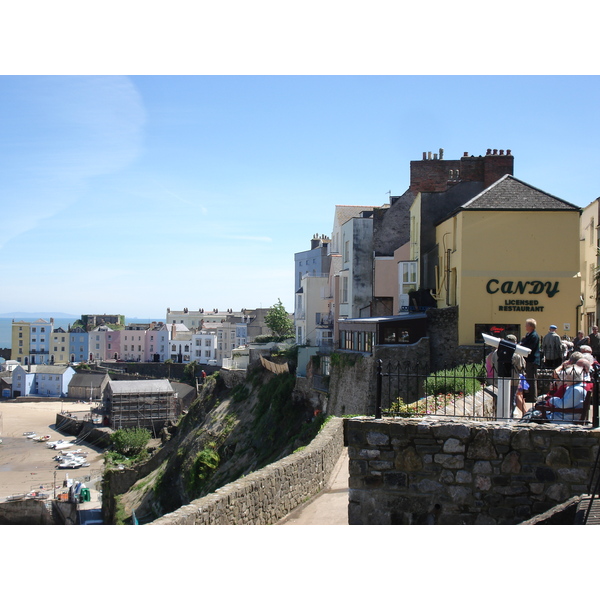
column 46, row 369
column 345, row 212
column 147, row 386
column 87, row 379
column 510, row 193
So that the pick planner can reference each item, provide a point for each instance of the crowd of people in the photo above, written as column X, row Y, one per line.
column 572, row 363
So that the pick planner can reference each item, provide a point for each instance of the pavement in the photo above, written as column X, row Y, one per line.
column 330, row 505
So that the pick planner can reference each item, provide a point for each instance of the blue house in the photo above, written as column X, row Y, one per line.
column 78, row 345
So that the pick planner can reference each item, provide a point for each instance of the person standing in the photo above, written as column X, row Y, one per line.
column 552, row 348
column 595, row 342
column 531, row 340
column 580, row 340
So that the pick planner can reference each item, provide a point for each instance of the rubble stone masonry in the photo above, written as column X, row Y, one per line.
column 425, row 471
column 268, row 495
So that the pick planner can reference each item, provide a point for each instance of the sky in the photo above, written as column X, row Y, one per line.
column 194, row 188
column 177, row 155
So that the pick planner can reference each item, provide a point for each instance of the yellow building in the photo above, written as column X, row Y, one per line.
column 510, row 253
column 20, row 341
column 59, row 347
column 589, row 262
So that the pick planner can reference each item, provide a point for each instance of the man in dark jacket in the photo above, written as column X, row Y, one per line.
column 552, row 347
column 595, row 342
column 532, row 361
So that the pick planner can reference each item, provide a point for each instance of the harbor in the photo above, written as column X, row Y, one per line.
column 39, row 462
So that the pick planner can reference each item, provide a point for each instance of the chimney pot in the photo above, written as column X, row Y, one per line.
column 508, row 153
column 424, row 155
column 495, row 152
column 435, row 156
column 441, row 153
column 501, row 152
column 465, row 154
column 429, row 156
column 489, row 151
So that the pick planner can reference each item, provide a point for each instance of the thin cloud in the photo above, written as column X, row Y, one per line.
column 59, row 133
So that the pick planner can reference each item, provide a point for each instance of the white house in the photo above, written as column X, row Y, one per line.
column 204, row 346
column 41, row 380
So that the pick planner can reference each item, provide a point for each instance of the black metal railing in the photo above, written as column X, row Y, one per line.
column 469, row 391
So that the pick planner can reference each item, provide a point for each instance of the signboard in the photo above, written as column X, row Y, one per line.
column 496, row 330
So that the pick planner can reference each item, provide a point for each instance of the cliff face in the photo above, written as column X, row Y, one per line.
column 227, row 433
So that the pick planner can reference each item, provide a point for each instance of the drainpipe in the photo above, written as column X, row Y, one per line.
column 577, row 313
column 448, row 273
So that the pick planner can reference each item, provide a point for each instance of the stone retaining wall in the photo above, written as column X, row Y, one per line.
column 268, row 495
column 25, row 512
column 96, row 436
column 412, row 471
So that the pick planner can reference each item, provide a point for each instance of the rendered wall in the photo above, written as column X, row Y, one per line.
column 412, row 471
column 489, row 279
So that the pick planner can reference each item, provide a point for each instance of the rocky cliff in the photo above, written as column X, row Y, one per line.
column 231, row 430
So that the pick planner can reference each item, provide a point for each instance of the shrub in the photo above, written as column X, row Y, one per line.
column 465, row 379
column 130, row 442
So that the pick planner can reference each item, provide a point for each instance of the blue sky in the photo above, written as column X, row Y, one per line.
column 134, row 194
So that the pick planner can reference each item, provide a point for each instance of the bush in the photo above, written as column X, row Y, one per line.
column 465, row 379
column 130, row 442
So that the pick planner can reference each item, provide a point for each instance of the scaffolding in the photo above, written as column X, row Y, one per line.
column 151, row 409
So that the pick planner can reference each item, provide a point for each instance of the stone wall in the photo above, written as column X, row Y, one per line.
column 232, row 377
column 268, row 495
column 353, row 379
column 352, row 389
column 87, row 431
column 413, row 471
column 25, row 512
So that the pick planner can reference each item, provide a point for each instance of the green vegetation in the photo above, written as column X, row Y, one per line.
column 130, row 442
column 441, row 389
column 189, row 373
column 279, row 322
column 258, row 421
column 343, row 360
column 275, row 395
column 120, row 514
column 205, row 462
column 465, row 379
column 240, row 393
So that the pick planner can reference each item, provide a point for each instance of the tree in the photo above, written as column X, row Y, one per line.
column 130, row 442
column 278, row 321
column 189, row 372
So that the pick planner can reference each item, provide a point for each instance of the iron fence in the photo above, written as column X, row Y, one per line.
column 469, row 391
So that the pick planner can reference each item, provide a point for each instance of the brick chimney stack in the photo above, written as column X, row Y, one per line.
column 433, row 174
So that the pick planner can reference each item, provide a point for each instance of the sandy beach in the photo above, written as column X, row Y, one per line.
column 26, row 465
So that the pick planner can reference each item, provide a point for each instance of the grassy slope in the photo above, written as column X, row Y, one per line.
column 227, row 433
